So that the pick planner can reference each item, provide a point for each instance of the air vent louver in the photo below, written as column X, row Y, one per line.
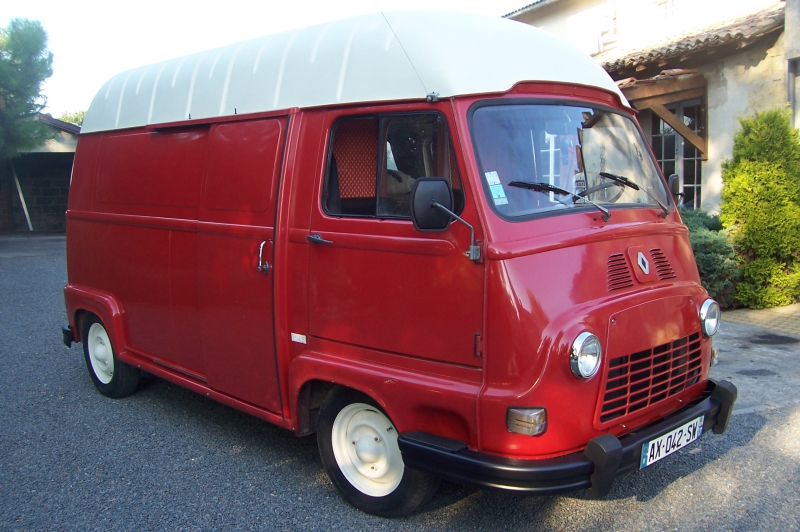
column 619, row 275
column 663, row 268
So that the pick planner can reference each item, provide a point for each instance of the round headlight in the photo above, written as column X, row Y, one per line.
column 709, row 317
column 584, row 359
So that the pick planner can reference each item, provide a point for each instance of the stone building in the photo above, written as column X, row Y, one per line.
column 34, row 186
column 691, row 67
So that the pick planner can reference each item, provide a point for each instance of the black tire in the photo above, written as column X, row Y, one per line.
column 111, row 377
column 365, row 421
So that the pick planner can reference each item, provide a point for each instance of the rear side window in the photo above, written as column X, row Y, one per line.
column 374, row 162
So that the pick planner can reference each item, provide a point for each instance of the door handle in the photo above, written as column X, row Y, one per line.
column 263, row 267
column 316, row 238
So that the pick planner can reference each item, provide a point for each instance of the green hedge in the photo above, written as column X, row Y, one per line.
column 761, row 209
column 715, row 255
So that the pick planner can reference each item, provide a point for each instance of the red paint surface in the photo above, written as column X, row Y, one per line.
column 163, row 237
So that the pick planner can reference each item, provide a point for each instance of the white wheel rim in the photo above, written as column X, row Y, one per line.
column 365, row 446
column 100, row 353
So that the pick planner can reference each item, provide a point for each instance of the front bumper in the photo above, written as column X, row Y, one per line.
column 605, row 457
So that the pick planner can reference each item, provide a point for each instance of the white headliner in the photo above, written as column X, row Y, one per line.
column 360, row 59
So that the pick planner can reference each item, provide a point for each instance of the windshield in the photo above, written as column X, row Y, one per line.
column 570, row 151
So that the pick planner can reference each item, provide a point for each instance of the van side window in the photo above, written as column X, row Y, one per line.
column 375, row 162
column 351, row 174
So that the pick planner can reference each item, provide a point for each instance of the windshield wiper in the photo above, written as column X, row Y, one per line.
column 547, row 187
column 624, row 181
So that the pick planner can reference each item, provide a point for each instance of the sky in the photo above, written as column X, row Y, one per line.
column 92, row 40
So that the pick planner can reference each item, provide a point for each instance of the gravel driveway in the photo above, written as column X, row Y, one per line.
column 166, row 458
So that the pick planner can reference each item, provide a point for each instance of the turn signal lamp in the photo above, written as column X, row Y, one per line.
column 527, row 421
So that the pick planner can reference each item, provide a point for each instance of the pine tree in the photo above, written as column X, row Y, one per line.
column 25, row 63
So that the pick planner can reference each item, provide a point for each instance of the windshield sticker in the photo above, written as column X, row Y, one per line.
column 498, row 195
column 492, row 178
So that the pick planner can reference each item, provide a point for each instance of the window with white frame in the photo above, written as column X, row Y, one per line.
column 675, row 154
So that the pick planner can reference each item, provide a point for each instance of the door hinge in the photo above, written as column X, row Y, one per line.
column 478, row 345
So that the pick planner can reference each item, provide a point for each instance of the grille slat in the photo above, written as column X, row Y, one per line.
column 647, row 377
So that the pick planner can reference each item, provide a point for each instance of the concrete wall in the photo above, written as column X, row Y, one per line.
column 44, row 178
column 738, row 86
column 793, row 54
column 578, row 21
column 792, row 29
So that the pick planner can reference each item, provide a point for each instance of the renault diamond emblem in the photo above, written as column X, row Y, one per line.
column 641, row 260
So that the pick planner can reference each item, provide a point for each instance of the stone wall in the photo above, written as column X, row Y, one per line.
column 44, row 179
column 739, row 85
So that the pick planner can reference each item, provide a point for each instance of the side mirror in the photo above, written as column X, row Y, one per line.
column 426, row 192
column 675, row 186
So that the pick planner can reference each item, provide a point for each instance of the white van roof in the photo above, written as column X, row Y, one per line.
column 374, row 57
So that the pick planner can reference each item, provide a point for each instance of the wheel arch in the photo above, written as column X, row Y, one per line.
column 82, row 302
column 412, row 400
column 309, row 399
column 311, row 396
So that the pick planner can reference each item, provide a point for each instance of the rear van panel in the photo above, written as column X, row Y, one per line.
column 173, row 210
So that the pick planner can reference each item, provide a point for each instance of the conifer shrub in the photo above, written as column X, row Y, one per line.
column 769, row 137
column 761, row 209
column 700, row 219
column 715, row 255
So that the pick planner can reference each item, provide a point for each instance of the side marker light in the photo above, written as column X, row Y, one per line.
column 527, row 421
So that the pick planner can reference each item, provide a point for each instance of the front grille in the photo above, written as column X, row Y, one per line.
column 637, row 381
column 618, row 273
column 663, row 267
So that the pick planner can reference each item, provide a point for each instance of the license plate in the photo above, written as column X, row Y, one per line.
column 665, row 445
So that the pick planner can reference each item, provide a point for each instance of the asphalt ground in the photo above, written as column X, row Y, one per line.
column 168, row 459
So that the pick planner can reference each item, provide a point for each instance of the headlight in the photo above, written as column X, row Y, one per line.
column 709, row 317
column 584, row 359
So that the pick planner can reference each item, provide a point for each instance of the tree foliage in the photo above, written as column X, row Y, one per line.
column 769, row 137
column 25, row 63
column 74, row 118
column 761, row 209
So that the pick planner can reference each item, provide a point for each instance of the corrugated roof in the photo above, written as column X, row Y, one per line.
column 353, row 60
column 739, row 31
column 58, row 124
column 530, row 7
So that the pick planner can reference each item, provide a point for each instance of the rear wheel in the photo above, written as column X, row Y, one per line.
column 358, row 445
column 111, row 377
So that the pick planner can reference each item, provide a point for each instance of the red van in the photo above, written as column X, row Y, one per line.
column 438, row 241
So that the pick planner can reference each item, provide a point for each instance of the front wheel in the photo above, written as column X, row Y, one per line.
column 358, row 446
column 111, row 377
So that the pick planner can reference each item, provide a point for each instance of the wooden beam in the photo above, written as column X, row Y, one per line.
column 694, row 139
column 664, row 99
column 665, row 86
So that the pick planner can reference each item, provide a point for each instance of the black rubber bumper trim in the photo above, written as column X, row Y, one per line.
column 605, row 458
column 67, row 335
